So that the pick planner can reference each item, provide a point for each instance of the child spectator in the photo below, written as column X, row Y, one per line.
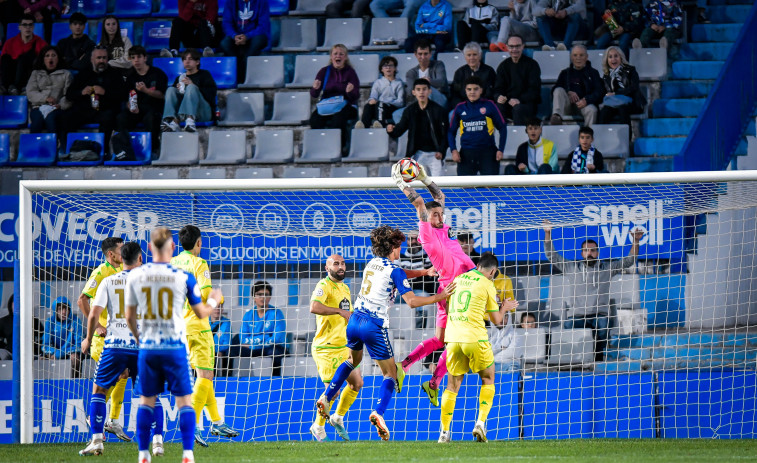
column 77, row 47
column 18, row 56
column 479, row 25
column 192, row 97
column 535, row 156
column 117, row 45
column 586, row 159
column 387, row 95
column 46, row 91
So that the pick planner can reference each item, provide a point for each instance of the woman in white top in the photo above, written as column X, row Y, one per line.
column 118, row 45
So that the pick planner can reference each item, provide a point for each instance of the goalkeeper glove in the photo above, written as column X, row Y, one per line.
column 423, row 176
column 397, row 177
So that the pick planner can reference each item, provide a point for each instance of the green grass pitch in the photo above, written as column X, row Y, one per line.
column 598, row 450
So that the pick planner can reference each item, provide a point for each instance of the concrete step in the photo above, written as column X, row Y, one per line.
column 653, row 146
column 705, row 51
column 654, row 164
column 677, row 107
column 685, row 89
column 667, row 127
column 715, row 32
column 728, row 13
column 696, row 70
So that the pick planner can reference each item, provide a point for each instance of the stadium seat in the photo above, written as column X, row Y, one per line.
column 305, row 69
column 346, row 31
column 405, row 62
column 368, row 145
column 5, row 149
column 168, row 9
column 264, row 72
column 290, row 108
column 571, row 347
column 179, row 148
column 565, row 138
column 450, row 169
column 226, row 147
column 452, row 62
column 36, row 149
column 6, row 370
column 254, row 172
column 91, row 8
column 299, row 366
column 155, row 35
column 127, row 30
column 324, row 145
column 273, row 147
column 74, row 136
column 217, row 173
column 595, row 58
column 141, row 142
column 384, row 30
column 301, row 172
column 258, row 366
column 612, row 140
column 111, row 174
column 223, row 69
column 244, row 109
column 401, row 148
column 278, row 7
column 516, row 134
column 366, row 67
column 349, row 172
column 385, row 170
column 39, row 30
column 494, row 58
column 13, row 111
column 64, row 174
column 299, row 320
column 297, row 35
column 528, row 345
column 459, row 6
column 310, row 8
column 651, row 63
column 133, row 8
column 160, row 174
column 173, row 67
column 551, row 63
column 60, row 31
column 52, row 369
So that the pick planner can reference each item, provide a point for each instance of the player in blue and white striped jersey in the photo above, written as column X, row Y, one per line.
column 367, row 327
column 156, row 293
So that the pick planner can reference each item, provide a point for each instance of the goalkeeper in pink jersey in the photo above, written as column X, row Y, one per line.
column 449, row 260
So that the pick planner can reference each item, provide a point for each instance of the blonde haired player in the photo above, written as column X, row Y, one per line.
column 200, row 336
column 468, row 346
column 332, row 305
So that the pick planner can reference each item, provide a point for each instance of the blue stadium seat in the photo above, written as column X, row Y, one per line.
column 13, row 112
column 168, row 8
column 276, row 7
column 173, row 67
column 72, row 137
column 12, row 30
column 127, row 30
column 223, row 69
column 90, row 8
column 133, row 8
column 5, row 149
column 60, row 31
column 155, row 35
column 36, row 149
column 142, row 144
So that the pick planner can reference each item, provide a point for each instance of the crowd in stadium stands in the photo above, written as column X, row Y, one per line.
column 112, row 83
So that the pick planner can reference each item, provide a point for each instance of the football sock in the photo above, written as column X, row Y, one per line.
column 448, row 408
column 187, row 426
column 117, row 398
column 346, row 400
column 485, row 401
column 321, row 421
column 202, row 388
column 212, row 405
column 97, row 413
column 385, row 395
column 144, row 423
column 422, row 351
column 109, row 392
column 339, row 378
column 157, row 418
column 440, row 372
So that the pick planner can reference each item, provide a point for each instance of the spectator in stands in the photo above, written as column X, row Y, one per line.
column 589, row 279
column 520, row 22
column 356, row 8
column 479, row 25
column 63, row 335
column 431, row 70
column 466, row 243
column 623, row 95
column 43, row 11
column 46, row 91
column 6, row 332
column 263, row 331
column 528, row 321
column 77, row 47
column 415, row 258
column 381, row 8
column 191, row 98
column 96, row 94
column 387, row 95
column 475, row 121
column 336, row 80
column 474, row 67
column 517, row 87
column 247, row 25
column 433, row 23
column 220, row 326
column 117, row 45
column 149, row 85
column 18, row 55
column 664, row 19
column 586, row 159
column 535, row 156
column 629, row 16
column 195, row 27
column 427, row 126
column 563, row 17
column 578, row 88
column 10, row 12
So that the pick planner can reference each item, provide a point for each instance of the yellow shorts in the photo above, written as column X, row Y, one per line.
column 201, row 350
column 328, row 360
column 464, row 356
column 96, row 348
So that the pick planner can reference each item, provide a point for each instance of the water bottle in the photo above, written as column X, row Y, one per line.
column 181, row 85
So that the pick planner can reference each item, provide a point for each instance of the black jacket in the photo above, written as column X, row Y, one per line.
column 76, row 52
column 586, row 82
column 411, row 121
column 520, row 80
column 110, row 79
column 485, row 73
column 599, row 163
column 208, row 88
column 626, row 83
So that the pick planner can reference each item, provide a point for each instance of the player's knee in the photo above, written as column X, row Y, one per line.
column 355, row 384
column 99, row 390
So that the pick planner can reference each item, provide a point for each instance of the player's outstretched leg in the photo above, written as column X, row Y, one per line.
column 318, row 428
column 323, row 403
column 145, row 418
column 346, row 399
column 218, row 427
column 385, row 396
column 157, row 429
column 432, row 386
column 116, row 402
column 421, row 351
column 97, row 415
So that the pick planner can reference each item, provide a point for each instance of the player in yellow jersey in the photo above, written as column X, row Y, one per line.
column 111, row 248
column 468, row 346
column 332, row 305
column 200, row 336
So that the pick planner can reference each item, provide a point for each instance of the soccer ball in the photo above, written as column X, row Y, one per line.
column 409, row 169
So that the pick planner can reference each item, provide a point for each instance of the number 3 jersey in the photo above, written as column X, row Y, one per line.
column 158, row 290
column 382, row 281
column 111, row 296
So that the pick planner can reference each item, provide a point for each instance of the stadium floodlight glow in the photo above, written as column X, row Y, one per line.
column 697, row 288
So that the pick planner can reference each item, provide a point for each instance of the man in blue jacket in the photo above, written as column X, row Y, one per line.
column 247, row 26
column 433, row 23
column 63, row 335
column 263, row 331
column 475, row 120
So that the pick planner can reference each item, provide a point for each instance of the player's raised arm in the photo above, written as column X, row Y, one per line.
column 414, row 300
column 415, row 197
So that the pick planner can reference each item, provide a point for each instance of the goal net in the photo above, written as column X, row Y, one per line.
column 654, row 341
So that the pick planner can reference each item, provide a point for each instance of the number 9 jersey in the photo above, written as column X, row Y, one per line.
column 158, row 290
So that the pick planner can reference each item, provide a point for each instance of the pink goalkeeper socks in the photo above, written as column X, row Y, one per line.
column 424, row 349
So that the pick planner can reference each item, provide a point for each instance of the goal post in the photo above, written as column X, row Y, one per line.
column 284, row 229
